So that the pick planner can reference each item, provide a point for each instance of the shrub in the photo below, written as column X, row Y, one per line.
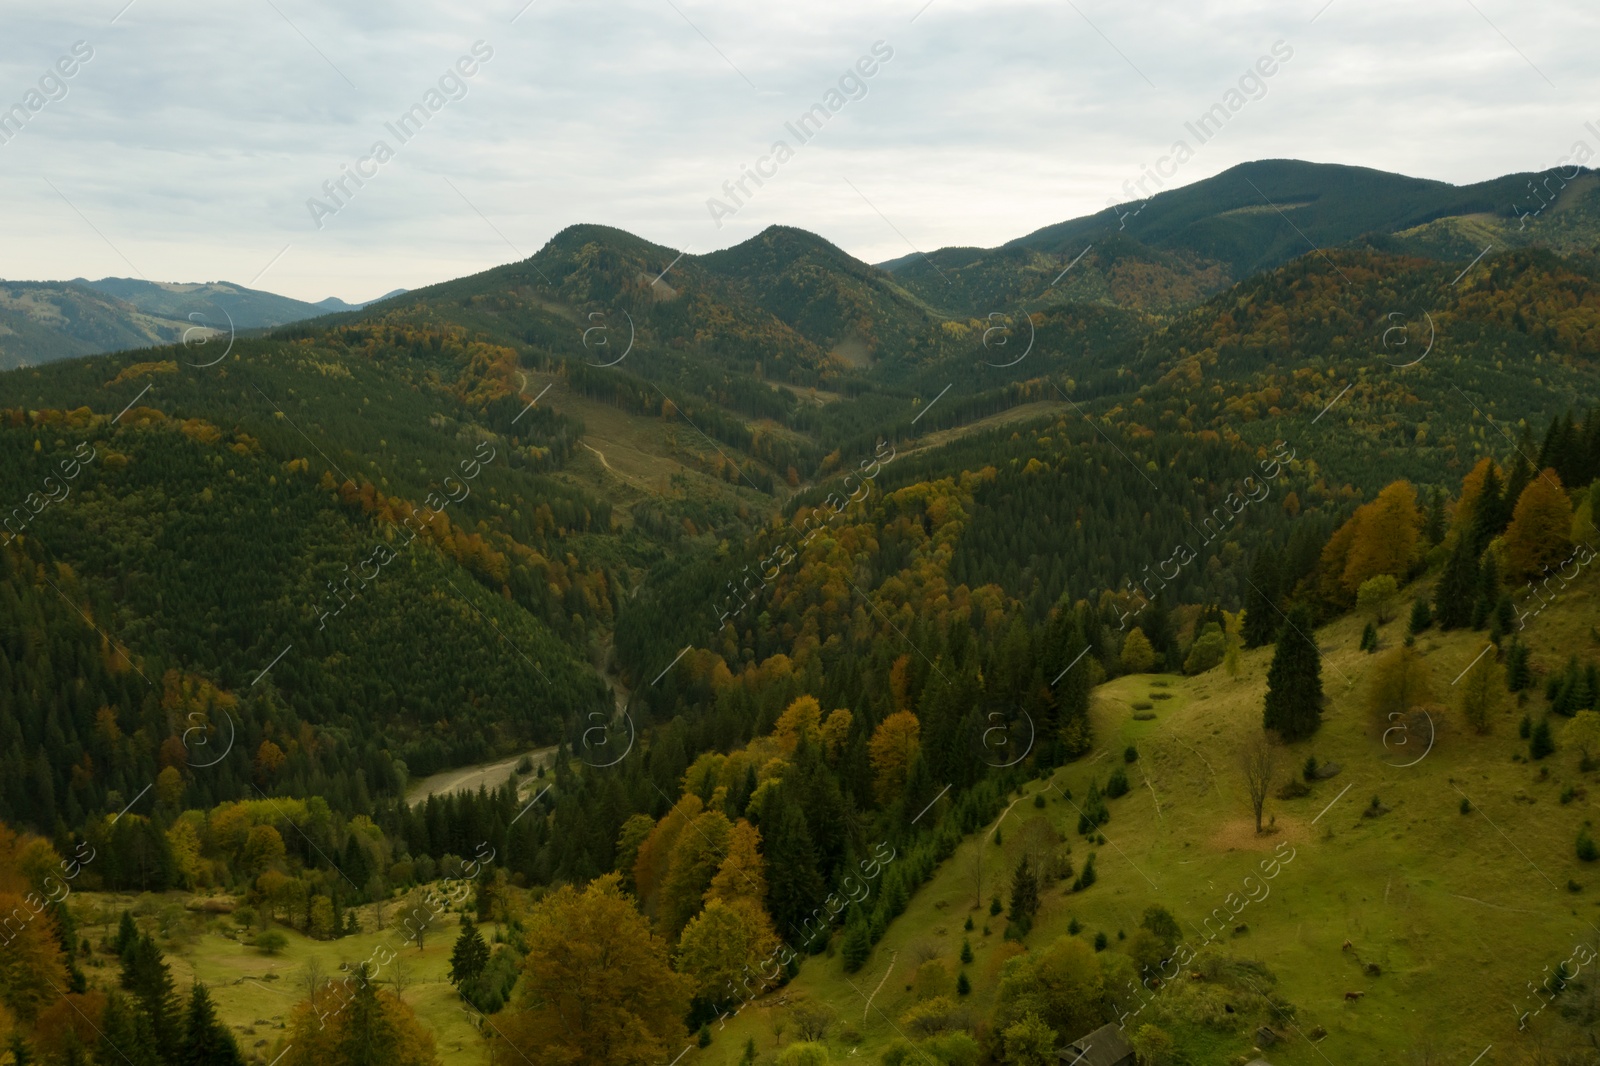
column 1466, row 805
column 273, row 941
column 1369, row 639
column 968, row 926
column 1130, row 754
column 1100, row 941
column 1310, row 772
column 703, row 1038
column 1117, row 784
column 1421, row 616
column 1142, row 705
column 1586, row 849
column 1293, row 789
column 1160, row 695
column 1525, row 728
column 1038, row 799
column 1074, row 927
column 966, row 951
column 805, row 1053
column 995, row 906
column 963, row 986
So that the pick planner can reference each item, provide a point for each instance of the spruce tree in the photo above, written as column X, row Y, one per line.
column 1458, row 586
column 368, row 1038
column 1261, row 618
column 857, row 944
column 1434, row 528
column 469, row 956
column 1421, row 616
column 1540, row 744
column 1294, row 681
column 146, row 974
column 206, row 1041
column 1024, row 897
column 1491, row 512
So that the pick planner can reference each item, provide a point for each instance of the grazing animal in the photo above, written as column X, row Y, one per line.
column 1353, row 995
column 1347, row 946
column 1194, row 976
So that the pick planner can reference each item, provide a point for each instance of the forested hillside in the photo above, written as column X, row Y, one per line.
column 803, row 569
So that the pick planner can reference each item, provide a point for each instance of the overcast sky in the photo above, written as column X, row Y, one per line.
column 187, row 147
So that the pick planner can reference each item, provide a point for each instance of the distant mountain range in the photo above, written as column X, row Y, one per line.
column 41, row 322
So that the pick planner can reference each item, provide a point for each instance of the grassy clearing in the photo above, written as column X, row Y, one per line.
column 1459, row 912
column 256, row 993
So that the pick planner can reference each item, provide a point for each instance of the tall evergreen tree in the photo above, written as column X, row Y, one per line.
column 145, row 973
column 1491, row 512
column 369, row 1039
column 1457, row 591
column 206, row 1041
column 794, row 888
column 469, row 956
column 1024, row 897
column 1434, row 528
column 1294, row 681
column 1261, row 618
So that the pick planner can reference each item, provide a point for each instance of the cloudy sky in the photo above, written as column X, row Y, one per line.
column 188, row 146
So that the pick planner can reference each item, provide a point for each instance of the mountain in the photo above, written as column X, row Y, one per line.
column 41, row 322
column 1183, row 244
column 833, row 594
column 214, row 304
column 333, row 303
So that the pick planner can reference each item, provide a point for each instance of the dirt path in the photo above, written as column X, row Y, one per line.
column 467, row 778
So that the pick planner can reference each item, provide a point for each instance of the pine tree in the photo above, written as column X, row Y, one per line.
column 1458, row 586
column 1434, row 528
column 966, row 951
column 1540, row 744
column 963, row 986
column 206, row 1041
column 793, row 884
column 1294, row 681
column 1024, row 897
column 1421, row 616
column 1369, row 639
column 146, row 974
column 1490, row 513
column 1519, row 675
column 127, row 933
column 1488, row 591
column 368, row 1039
column 1261, row 618
column 857, row 946
column 469, row 956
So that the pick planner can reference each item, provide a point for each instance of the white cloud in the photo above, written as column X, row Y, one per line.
column 194, row 137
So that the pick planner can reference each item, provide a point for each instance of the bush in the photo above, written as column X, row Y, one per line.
column 966, row 951
column 1130, row 754
column 805, row 1053
column 1100, row 942
column 963, row 986
column 1087, row 877
column 1142, row 705
column 1421, row 616
column 273, row 941
column 1293, row 789
column 1074, row 927
column 995, row 906
column 1038, row 799
column 1466, row 805
column 1310, row 772
column 1586, row 849
column 1525, row 728
column 1117, row 784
